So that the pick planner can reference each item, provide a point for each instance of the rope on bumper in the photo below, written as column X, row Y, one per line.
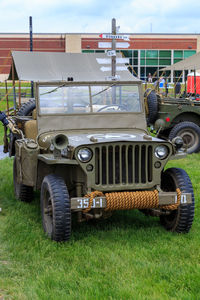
column 92, row 196
column 132, row 200
column 176, row 205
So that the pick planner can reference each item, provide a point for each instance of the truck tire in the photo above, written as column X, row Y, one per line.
column 181, row 219
column 27, row 108
column 22, row 191
column 190, row 133
column 55, row 208
column 152, row 103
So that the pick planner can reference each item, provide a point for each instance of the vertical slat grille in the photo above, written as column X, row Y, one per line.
column 123, row 164
column 137, row 164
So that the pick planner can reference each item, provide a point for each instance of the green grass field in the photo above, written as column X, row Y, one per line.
column 128, row 256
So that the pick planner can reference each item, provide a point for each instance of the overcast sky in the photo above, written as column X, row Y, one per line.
column 133, row 16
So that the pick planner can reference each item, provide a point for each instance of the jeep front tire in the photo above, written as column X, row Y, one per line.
column 181, row 219
column 55, row 208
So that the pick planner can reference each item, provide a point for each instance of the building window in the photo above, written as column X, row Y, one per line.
column 151, row 61
column 133, row 60
column 87, row 51
column 143, row 62
column 178, row 54
column 93, row 51
column 151, row 53
column 188, row 53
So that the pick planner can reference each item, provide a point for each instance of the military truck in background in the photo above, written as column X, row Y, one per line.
column 84, row 144
column 177, row 116
column 171, row 117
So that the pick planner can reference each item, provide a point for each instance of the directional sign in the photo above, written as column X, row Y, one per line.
column 106, row 61
column 115, row 36
column 110, row 78
column 111, row 53
column 106, row 69
column 122, row 45
column 109, row 45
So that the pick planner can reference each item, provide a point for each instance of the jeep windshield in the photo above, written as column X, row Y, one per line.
column 84, row 99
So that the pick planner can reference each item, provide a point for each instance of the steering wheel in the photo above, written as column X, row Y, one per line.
column 119, row 107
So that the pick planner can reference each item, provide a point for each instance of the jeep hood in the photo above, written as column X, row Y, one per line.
column 77, row 139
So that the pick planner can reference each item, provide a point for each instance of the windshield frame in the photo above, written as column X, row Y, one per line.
column 56, row 85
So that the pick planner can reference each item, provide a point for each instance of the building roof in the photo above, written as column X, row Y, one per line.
column 190, row 63
column 57, row 66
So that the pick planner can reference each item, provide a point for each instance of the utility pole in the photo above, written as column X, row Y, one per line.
column 113, row 47
column 31, row 49
column 113, row 67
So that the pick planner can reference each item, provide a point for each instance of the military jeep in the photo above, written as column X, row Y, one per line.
column 87, row 149
column 172, row 117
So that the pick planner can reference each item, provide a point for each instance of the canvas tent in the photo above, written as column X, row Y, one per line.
column 190, row 63
column 58, row 66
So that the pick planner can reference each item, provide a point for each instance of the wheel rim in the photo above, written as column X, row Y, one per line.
column 190, row 138
column 48, row 213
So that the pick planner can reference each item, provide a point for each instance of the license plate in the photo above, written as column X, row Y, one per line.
column 82, row 203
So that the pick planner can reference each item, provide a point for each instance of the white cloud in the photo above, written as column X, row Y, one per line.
column 172, row 16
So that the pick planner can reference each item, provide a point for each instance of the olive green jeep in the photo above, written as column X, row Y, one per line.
column 172, row 117
column 86, row 147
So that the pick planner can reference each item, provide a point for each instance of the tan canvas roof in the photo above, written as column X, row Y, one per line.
column 58, row 66
column 190, row 63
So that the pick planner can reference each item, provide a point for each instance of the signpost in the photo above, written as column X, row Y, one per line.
column 111, row 53
column 107, row 45
column 112, row 59
column 113, row 47
column 31, row 49
column 118, row 68
column 114, row 36
column 119, row 60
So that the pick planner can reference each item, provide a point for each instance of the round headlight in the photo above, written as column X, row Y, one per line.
column 84, row 155
column 178, row 142
column 161, row 152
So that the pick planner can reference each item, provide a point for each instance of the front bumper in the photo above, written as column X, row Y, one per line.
column 164, row 199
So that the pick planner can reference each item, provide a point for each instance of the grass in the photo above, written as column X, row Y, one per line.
column 128, row 256
column 24, row 86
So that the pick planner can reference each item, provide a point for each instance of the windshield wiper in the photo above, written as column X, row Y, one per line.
column 58, row 87
column 103, row 90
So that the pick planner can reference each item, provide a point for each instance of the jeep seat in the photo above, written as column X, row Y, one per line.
column 30, row 129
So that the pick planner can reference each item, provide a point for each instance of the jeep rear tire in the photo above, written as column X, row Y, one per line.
column 22, row 191
column 55, row 208
column 152, row 103
column 190, row 133
column 25, row 110
column 181, row 219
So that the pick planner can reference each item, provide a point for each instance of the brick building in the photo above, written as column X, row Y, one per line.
column 147, row 53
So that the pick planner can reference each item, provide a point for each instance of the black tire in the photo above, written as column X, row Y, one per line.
column 11, row 144
column 181, row 219
column 22, row 192
column 152, row 103
column 55, row 208
column 27, row 108
column 190, row 133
